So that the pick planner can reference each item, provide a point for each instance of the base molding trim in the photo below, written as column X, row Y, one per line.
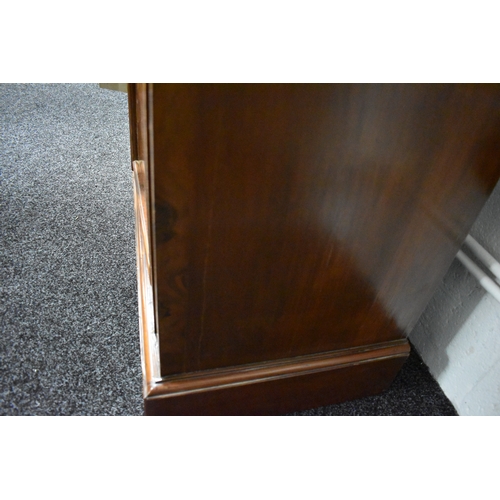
column 279, row 387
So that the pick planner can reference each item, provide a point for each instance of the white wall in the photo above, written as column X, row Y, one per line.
column 458, row 336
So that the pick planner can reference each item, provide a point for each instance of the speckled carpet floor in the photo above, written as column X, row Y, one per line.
column 69, row 341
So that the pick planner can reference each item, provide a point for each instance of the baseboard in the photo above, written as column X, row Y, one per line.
column 280, row 387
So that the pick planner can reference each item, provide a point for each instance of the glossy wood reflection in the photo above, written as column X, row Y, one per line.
column 297, row 219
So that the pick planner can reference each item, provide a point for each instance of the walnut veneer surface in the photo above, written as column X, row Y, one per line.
column 294, row 220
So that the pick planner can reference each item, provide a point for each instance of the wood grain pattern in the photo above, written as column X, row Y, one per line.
column 132, row 118
column 280, row 387
column 148, row 337
column 298, row 219
column 283, row 368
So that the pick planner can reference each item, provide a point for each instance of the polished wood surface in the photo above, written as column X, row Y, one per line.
column 289, row 236
column 291, row 220
column 280, row 388
column 257, row 372
column 138, row 119
column 148, row 337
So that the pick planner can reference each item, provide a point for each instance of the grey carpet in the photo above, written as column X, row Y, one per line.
column 69, row 340
column 69, row 343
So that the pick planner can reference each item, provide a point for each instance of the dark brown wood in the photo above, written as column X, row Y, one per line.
column 132, row 118
column 221, row 377
column 140, row 116
column 149, row 340
column 279, row 388
column 296, row 220
column 138, row 119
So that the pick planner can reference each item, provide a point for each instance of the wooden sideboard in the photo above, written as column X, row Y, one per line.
column 290, row 235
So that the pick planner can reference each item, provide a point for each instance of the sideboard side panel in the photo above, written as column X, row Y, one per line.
column 297, row 219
